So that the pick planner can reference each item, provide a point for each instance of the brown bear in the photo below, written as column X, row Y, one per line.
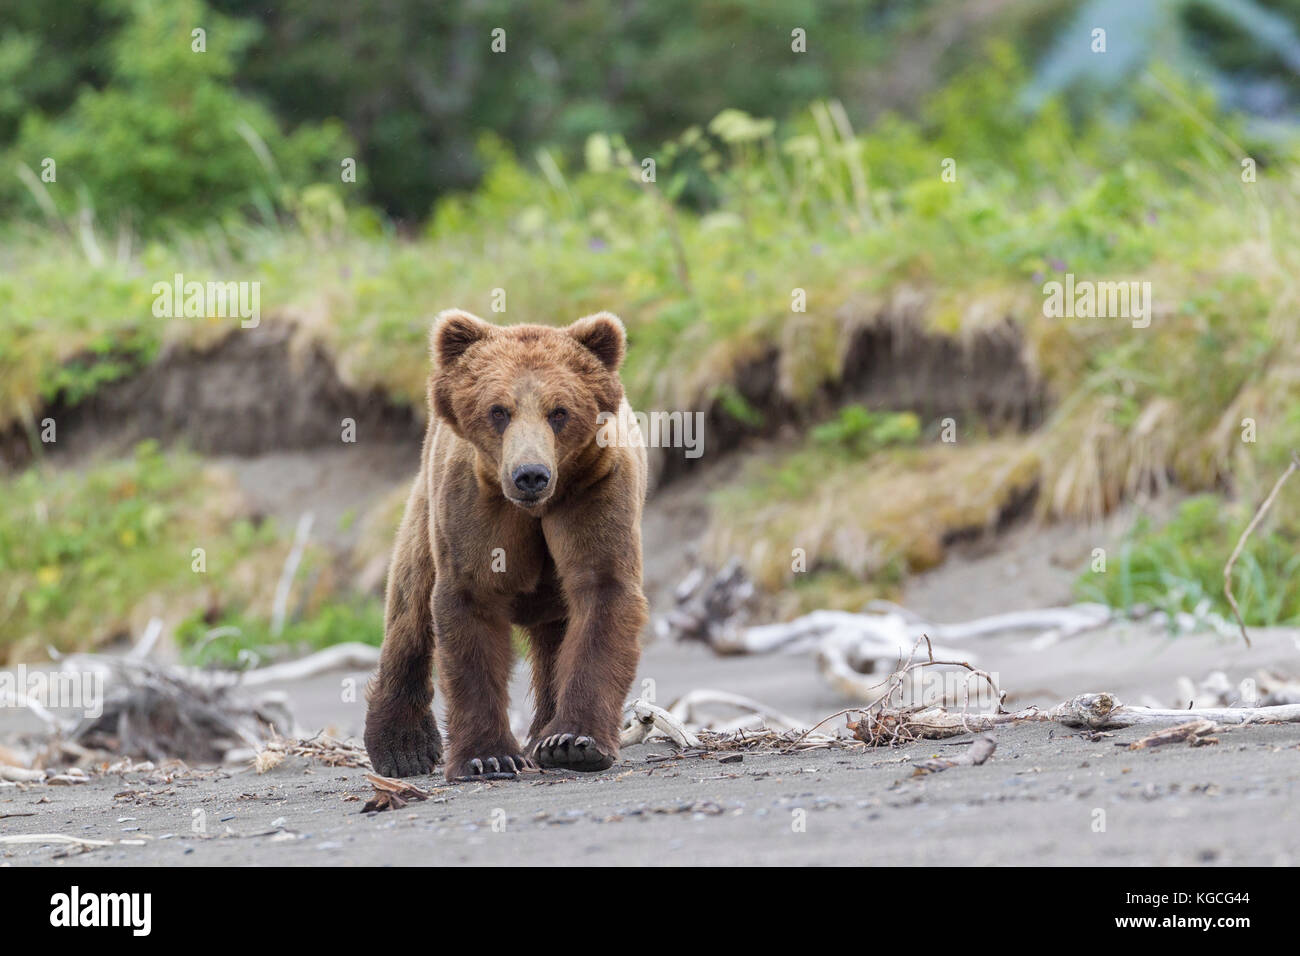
column 527, row 511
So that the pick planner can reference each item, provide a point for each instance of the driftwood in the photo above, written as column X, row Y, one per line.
column 760, row 723
column 1264, row 689
column 846, row 645
column 1104, row 711
column 1195, row 732
column 159, row 713
column 873, row 638
column 980, row 750
column 689, row 708
column 713, row 609
column 49, row 838
column 641, row 718
column 21, row 775
column 1087, row 711
column 391, row 794
column 351, row 656
column 709, row 606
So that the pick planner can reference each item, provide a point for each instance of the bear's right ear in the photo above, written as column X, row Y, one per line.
column 454, row 331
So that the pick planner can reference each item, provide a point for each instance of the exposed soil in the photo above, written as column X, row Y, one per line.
column 265, row 390
column 256, row 391
column 889, row 365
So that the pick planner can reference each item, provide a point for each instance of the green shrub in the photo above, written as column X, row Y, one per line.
column 168, row 141
column 1178, row 567
column 860, row 431
column 234, row 637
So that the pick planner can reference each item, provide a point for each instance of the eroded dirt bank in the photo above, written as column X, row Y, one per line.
column 889, row 365
column 266, row 390
column 256, row 391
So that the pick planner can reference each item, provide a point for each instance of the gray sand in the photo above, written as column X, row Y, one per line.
column 1038, row 800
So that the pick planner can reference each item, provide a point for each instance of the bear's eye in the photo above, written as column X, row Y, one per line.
column 499, row 416
column 558, row 418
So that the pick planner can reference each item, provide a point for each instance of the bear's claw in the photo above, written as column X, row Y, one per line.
column 572, row 751
column 498, row 767
column 404, row 750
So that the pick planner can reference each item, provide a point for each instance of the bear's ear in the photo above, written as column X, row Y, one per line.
column 603, row 335
column 454, row 331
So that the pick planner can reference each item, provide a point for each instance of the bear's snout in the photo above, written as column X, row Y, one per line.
column 531, row 480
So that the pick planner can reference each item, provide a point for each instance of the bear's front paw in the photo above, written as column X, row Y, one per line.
column 402, row 748
column 574, row 752
column 492, row 762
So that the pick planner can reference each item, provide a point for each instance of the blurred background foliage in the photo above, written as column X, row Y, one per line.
column 523, row 171
column 407, row 87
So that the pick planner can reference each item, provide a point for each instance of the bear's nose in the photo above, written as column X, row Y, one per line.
column 531, row 479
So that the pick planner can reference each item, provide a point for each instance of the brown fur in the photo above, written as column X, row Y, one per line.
column 572, row 557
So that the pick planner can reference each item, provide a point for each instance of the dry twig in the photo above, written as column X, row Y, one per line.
column 873, row 729
column 1241, row 543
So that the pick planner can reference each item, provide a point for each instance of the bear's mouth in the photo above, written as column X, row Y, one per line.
column 527, row 503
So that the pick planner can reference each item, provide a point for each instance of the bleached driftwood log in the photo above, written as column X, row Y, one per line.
column 641, row 718
column 20, row 775
column 52, row 838
column 1104, row 711
column 1088, row 711
column 713, row 610
column 350, row 656
column 690, row 708
column 875, row 637
column 1055, row 621
column 863, row 640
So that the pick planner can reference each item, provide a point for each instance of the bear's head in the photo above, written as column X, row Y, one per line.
column 527, row 397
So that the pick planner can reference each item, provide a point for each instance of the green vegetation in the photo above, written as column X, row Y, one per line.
column 1178, row 568
column 859, row 431
column 945, row 217
column 224, row 641
column 167, row 141
column 89, row 556
column 851, row 219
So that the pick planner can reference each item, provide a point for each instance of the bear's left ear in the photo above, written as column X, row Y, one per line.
column 603, row 335
column 454, row 331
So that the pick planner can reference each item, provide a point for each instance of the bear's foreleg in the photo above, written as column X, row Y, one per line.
column 593, row 671
column 474, row 662
column 401, row 734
